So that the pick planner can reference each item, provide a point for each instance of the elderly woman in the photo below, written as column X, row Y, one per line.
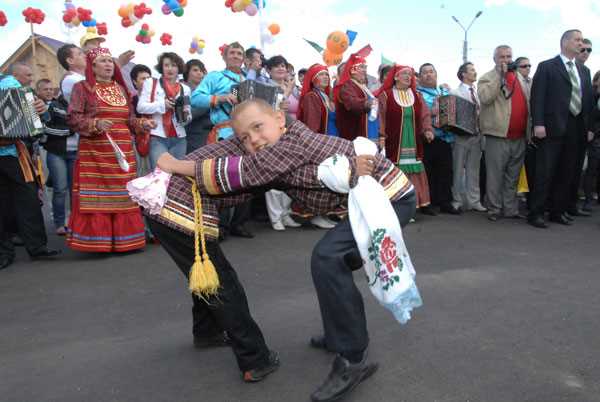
column 353, row 100
column 103, row 217
column 168, row 102
column 316, row 109
column 404, row 122
column 198, row 129
column 277, row 67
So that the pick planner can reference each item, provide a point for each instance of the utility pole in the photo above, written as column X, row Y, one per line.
column 466, row 30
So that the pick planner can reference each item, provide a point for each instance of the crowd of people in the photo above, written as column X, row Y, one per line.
column 101, row 134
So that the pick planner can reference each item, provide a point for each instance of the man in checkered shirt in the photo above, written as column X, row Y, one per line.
column 266, row 153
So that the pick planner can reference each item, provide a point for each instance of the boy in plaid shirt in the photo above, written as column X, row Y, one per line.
column 266, row 153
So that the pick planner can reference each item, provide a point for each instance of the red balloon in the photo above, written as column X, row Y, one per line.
column 166, row 39
column 126, row 22
column 84, row 14
column 145, row 27
column 3, row 19
column 101, row 28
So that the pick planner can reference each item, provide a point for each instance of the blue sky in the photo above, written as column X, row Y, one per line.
column 406, row 32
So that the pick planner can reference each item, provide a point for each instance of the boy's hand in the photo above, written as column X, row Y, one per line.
column 166, row 162
column 364, row 165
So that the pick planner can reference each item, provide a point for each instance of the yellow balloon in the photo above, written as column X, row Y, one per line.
column 130, row 7
column 151, row 32
column 238, row 5
column 201, row 44
column 246, row 3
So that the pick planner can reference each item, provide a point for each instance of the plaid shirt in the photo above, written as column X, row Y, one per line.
column 225, row 174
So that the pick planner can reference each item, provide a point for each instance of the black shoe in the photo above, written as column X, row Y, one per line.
column 216, row 341
column 318, row 342
column 17, row 241
column 343, row 378
column 5, row 261
column 517, row 216
column 44, row 252
column 538, row 222
column 428, row 210
column 449, row 209
column 258, row 374
column 587, row 206
column 241, row 231
column 579, row 212
column 568, row 216
column 493, row 217
column 561, row 220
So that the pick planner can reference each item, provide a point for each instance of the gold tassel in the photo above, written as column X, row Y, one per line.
column 522, row 186
column 204, row 280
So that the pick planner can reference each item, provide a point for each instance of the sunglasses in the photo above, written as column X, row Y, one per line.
column 525, row 66
column 586, row 49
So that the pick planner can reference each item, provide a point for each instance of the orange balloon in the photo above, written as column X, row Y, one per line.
column 123, row 11
column 337, row 42
column 183, row 3
column 274, row 29
column 332, row 59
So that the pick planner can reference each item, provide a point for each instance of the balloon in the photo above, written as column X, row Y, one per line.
column 192, row 51
column 178, row 12
column 194, row 45
column 331, row 59
column 126, row 22
column 251, row 10
column 123, row 12
column 101, row 28
column 183, row 3
column 3, row 19
column 337, row 42
column 165, row 9
column 274, row 29
column 166, row 39
column 201, row 44
column 246, row 3
column 238, row 5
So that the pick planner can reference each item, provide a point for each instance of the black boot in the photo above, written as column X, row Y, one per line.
column 318, row 342
column 343, row 378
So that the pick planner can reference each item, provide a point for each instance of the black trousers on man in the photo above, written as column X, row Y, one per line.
column 228, row 311
column 555, row 162
column 340, row 301
column 437, row 157
column 19, row 200
column 577, row 173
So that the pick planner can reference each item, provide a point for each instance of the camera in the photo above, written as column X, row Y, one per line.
column 512, row 66
column 180, row 103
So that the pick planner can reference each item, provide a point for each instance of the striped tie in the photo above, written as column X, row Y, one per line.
column 575, row 104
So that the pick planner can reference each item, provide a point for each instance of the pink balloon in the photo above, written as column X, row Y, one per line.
column 251, row 10
column 165, row 9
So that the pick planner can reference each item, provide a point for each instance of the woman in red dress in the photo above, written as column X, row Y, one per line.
column 103, row 217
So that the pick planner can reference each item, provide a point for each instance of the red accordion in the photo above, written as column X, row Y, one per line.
column 457, row 115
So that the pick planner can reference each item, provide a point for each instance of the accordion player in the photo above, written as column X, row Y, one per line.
column 18, row 118
column 250, row 89
column 457, row 115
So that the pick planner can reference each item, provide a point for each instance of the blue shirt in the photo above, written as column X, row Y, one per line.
column 216, row 83
column 429, row 95
column 9, row 82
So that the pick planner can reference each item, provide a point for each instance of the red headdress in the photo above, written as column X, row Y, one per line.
column 390, row 81
column 308, row 84
column 354, row 60
column 90, row 77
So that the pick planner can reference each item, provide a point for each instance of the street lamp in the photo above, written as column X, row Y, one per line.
column 466, row 30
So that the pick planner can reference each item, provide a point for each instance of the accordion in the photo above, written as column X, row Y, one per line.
column 18, row 118
column 250, row 89
column 457, row 115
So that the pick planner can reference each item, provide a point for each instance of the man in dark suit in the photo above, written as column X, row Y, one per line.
column 561, row 103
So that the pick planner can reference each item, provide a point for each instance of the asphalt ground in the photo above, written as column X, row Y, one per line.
column 511, row 313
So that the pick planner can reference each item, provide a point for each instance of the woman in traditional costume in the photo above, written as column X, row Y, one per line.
column 404, row 122
column 353, row 100
column 103, row 217
column 317, row 110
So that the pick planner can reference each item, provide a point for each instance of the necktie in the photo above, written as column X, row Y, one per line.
column 575, row 104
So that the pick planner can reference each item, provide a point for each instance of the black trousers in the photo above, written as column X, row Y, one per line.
column 235, row 216
column 590, row 179
column 577, row 172
column 228, row 311
column 437, row 157
column 555, row 163
column 19, row 201
column 340, row 301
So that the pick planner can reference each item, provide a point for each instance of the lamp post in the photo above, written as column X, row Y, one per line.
column 466, row 30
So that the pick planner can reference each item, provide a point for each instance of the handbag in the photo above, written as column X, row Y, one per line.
column 142, row 140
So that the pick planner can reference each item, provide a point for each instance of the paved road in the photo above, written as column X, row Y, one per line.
column 511, row 314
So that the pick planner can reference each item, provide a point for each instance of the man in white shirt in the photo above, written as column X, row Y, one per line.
column 466, row 155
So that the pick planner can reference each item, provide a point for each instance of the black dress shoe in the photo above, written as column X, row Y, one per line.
column 537, row 222
column 579, row 212
column 5, row 261
column 449, row 209
column 215, row 341
column 259, row 373
column 561, row 220
column 428, row 210
column 343, row 378
column 17, row 241
column 318, row 342
column 568, row 216
column 241, row 231
column 493, row 217
column 44, row 252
